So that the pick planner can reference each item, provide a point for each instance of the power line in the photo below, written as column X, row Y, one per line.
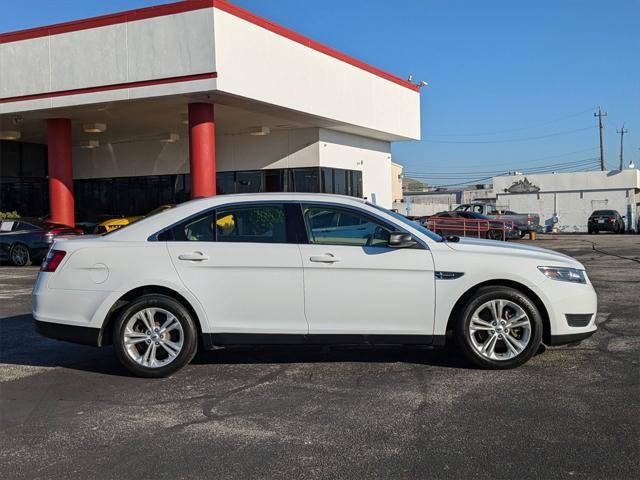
column 512, row 139
column 487, row 172
column 549, row 122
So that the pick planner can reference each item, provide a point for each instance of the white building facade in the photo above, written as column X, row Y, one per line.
column 197, row 97
column 564, row 201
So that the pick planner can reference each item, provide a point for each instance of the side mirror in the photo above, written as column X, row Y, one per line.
column 401, row 240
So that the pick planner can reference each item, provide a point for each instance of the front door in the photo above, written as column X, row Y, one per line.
column 356, row 284
column 242, row 265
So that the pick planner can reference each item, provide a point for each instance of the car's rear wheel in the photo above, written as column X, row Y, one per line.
column 499, row 328
column 494, row 235
column 155, row 336
column 20, row 255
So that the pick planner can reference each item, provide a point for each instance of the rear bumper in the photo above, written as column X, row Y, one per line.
column 609, row 227
column 68, row 333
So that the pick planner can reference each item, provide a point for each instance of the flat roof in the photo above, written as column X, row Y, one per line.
column 190, row 5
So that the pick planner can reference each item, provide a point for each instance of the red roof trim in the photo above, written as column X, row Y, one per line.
column 116, row 86
column 190, row 5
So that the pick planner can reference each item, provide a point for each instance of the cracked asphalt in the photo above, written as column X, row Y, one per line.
column 69, row 411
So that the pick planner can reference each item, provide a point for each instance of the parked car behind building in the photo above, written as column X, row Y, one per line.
column 27, row 240
column 605, row 221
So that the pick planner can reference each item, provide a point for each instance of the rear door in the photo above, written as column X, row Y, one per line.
column 243, row 264
column 354, row 283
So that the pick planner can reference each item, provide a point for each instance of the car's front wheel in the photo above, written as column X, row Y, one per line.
column 154, row 336
column 20, row 255
column 499, row 328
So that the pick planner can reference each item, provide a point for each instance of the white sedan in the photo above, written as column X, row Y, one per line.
column 304, row 269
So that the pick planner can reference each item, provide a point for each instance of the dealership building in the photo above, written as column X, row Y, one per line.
column 121, row 113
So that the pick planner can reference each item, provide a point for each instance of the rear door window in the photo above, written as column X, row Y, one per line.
column 252, row 224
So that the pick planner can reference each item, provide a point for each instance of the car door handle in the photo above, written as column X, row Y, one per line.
column 193, row 256
column 326, row 258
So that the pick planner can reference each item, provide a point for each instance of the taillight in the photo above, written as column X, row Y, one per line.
column 54, row 257
column 612, row 219
column 529, row 219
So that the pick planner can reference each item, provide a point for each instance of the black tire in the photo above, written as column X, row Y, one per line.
column 494, row 235
column 20, row 255
column 589, row 232
column 521, row 233
column 481, row 296
column 189, row 336
column 596, row 231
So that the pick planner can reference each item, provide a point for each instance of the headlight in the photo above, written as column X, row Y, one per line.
column 564, row 274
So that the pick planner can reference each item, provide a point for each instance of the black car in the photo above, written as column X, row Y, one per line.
column 485, row 227
column 27, row 240
column 605, row 220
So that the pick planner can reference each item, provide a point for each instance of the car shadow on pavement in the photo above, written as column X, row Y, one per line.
column 282, row 354
column 20, row 345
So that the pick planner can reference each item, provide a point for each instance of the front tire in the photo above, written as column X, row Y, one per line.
column 155, row 336
column 499, row 328
column 20, row 255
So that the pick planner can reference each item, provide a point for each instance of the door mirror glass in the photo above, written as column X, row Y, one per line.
column 401, row 240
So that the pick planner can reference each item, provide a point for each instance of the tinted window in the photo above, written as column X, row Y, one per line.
column 252, row 223
column 26, row 226
column 195, row 229
column 339, row 226
column 249, row 181
column 604, row 212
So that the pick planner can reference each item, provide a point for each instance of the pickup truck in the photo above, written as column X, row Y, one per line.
column 524, row 222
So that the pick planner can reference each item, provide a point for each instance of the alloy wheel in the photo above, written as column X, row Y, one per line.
column 499, row 329
column 19, row 255
column 153, row 337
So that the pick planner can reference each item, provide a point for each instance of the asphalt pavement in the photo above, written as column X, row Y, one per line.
column 70, row 411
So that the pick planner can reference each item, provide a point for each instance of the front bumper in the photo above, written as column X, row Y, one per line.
column 564, row 299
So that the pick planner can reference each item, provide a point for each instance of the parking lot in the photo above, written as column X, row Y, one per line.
column 69, row 411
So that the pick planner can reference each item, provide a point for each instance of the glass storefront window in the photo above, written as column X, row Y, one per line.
column 225, row 183
column 249, row 181
column 326, row 180
column 305, row 180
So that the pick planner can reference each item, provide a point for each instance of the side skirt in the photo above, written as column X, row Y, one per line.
column 213, row 340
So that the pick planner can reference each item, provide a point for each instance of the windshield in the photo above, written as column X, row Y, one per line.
column 406, row 221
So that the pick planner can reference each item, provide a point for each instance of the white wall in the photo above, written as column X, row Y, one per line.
column 131, row 159
column 573, row 208
column 154, row 48
column 279, row 149
column 256, row 63
column 352, row 152
column 573, row 196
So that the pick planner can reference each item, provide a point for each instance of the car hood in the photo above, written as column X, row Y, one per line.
column 497, row 247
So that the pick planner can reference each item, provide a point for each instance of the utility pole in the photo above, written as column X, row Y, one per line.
column 622, row 131
column 601, row 114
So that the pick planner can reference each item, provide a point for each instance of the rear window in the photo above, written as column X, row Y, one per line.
column 604, row 212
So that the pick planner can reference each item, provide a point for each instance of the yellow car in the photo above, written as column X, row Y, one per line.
column 116, row 223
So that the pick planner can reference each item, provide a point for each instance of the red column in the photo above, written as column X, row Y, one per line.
column 60, row 171
column 202, row 150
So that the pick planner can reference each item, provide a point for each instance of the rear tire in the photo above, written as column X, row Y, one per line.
column 155, row 336
column 498, row 328
column 20, row 255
